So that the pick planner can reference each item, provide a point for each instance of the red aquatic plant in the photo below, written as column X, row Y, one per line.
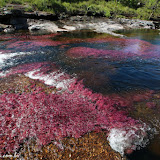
column 126, row 48
column 76, row 110
column 30, row 44
column 43, row 67
column 43, row 71
column 82, row 52
column 48, row 117
column 4, row 51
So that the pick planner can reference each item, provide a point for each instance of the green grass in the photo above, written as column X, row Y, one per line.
column 110, row 9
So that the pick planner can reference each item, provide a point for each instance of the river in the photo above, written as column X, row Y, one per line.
column 118, row 77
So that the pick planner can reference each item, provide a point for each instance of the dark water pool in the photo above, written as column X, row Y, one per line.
column 130, row 65
column 152, row 151
column 106, row 64
column 151, row 36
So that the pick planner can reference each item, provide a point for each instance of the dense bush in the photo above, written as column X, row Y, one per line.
column 2, row 3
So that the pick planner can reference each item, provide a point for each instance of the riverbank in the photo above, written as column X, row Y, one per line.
column 18, row 19
column 102, row 16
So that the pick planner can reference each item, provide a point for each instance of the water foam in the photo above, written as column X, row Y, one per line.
column 57, row 79
column 122, row 140
column 7, row 56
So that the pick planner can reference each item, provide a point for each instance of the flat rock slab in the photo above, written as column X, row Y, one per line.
column 43, row 25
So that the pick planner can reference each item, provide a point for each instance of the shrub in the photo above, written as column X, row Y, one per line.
column 15, row 1
column 130, row 3
column 108, row 8
column 2, row 3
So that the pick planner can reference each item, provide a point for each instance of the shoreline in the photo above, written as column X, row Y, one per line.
column 17, row 19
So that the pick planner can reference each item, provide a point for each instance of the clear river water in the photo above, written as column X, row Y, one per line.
column 127, row 70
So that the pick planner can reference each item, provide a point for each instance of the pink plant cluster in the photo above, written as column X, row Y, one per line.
column 23, row 42
column 30, row 44
column 45, row 72
column 48, row 117
column 43, row 67
column 4, row 51
column 82, row 52
column 131, row 98
column 75, row 111
column 130, row 51
column 120, row 41
column 130, row 47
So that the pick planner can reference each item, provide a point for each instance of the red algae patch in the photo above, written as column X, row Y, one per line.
column 44, row 71
column 45, row 113
column 122, row 48
column 4, row 51
column 120, row 41
column 34, row 37
column 30, row 44
column 46, row 116
column 24, row 42
column 82, row 52
column 24, row 68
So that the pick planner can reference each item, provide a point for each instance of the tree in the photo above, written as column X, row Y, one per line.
column 154, row 7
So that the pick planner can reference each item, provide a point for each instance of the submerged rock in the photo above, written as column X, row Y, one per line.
column 90, row 146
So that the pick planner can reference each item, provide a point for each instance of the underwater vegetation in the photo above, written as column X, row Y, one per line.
column 52, row 116
column 43, row 107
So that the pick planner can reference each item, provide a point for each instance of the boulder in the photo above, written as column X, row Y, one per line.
column 6, row 28
column 44, row 26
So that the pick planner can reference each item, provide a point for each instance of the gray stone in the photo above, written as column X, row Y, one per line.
column 9, row 30
column 6, row 28
column 42, row 25
column 136, row 23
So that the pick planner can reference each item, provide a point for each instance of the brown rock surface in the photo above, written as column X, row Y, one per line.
column 92, row 146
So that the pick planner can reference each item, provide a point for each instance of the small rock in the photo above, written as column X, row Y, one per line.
column 6, row 28
column 9, row 30
column 69, row 28
column 7, row 12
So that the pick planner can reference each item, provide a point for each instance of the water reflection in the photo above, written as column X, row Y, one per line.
column 151, row 36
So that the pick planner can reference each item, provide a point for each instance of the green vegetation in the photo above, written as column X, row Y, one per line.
column 143, row 9
column 2, row 3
